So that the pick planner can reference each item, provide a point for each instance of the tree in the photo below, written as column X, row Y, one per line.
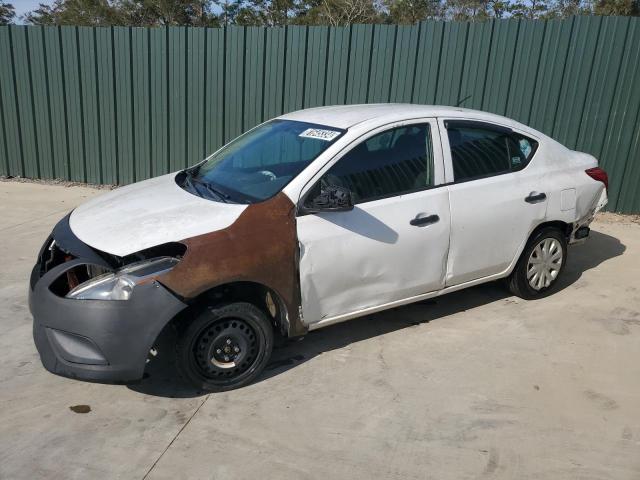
column 75, row 12
column 529, row 9
column 344, row 12
column 567, row 8
column 167, row 12
column 617, row 7
column 137, row 13
column 412, row 11
column 467, row 10
column 7, row 13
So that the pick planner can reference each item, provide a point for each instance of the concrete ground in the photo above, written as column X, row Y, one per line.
column 476, row 384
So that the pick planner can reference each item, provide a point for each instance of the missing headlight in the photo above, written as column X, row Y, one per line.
column 74, row 277
column 119, row 285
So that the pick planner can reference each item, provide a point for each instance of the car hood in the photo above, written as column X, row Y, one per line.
column 146, row 214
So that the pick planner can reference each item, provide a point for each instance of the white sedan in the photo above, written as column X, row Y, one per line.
column 313, row 218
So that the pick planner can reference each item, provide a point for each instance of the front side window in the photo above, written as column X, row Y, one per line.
column 258, row 164
column 393, row 162
column 482, row 151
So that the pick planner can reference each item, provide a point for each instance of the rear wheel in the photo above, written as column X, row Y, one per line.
column 225, row 347
column 540, row 264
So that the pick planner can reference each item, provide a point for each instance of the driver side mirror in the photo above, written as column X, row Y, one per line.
column 330, row 199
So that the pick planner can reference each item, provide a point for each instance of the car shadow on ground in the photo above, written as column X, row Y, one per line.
column 161, row 378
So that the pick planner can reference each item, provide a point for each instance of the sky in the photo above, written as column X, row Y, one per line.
column 24, row 6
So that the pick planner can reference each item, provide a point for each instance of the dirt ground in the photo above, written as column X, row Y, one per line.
column 475, row 384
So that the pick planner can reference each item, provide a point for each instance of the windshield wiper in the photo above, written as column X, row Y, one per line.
column 195, row 181
column 211, row 189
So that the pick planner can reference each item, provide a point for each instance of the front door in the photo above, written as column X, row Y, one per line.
column 393, row 245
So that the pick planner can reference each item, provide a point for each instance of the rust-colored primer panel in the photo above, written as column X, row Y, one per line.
column 260, row 246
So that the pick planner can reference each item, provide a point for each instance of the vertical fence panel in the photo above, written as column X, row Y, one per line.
column 40, row 94
column 628, row 200
column 575, row 82
column 108, row 126
column 526, row 64
column 195, row 95
column 295, row 63
column 123, row 106
column 604, row 75
column 58, row 103
column 9, row 105
column 234, row 82
column 359, row 63
column 177, row 97
column 117, row 105
column 214, row 80
column 379, row 75
column 404, row 64
column 501, row 58
column 24, row 101
column 550, row 72
column 142, row 121
column 159, row 100
column 474, row 72
column 90, row 107
column 254, row 80
column 4, row 157
column 618, row 156
column 71, row 72
column 428, row 62
column 316, row 67
column 337, row 65
column 452, row 59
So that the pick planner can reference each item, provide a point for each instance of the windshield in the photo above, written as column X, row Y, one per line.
column 258, row 164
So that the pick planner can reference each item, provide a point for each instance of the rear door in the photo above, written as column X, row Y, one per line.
column 393, row 244
column 496, row 196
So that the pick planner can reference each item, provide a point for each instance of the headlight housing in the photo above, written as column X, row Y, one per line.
column 119, row 285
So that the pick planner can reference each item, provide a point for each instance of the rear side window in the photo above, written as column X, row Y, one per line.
column 482, row 150
column 397, row 161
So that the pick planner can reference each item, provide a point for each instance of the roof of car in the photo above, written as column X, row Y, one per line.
column 346, row 116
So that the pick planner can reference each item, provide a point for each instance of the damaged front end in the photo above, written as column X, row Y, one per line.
column 97, row 315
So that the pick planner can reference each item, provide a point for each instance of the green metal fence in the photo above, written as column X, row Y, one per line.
column 117, row 105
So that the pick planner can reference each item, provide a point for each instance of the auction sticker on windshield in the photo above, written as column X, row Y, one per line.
column 320, row 134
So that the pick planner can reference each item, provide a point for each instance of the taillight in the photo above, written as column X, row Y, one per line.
column 600, row 175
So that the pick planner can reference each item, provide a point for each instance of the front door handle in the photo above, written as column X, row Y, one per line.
column 423, row 221
column 535, row 197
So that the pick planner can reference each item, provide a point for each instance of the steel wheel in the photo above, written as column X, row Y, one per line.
column 225, row 348
column 544, row 263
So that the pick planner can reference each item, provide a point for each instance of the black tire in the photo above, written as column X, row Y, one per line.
column 225, row 347
column 518, row 281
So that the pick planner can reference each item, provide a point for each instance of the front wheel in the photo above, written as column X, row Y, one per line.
column 225, row 347
column 540, row 264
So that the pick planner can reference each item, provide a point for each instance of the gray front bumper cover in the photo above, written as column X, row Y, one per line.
column 98, row 340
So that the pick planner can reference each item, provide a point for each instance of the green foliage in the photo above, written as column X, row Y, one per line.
column 146, row 13
column 74, row 12
column 412, row 11
column 7, row 13
column 307, row 12
column 617, row 7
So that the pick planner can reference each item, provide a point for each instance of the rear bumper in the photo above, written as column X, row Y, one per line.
column 575, row 237
column 98, row 340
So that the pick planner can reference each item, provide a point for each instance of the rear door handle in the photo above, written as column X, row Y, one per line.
column 535, row 197
column 423, row 221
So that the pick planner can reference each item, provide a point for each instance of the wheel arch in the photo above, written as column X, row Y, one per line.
column 564, row 227
column 252, row 292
